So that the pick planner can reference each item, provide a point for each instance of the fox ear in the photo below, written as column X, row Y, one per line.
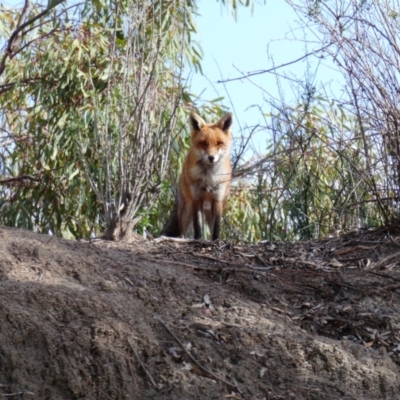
column 225, row 123
column 196, row 122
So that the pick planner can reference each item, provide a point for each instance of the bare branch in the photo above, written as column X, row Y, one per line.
column 19, row 179
column 250, row 74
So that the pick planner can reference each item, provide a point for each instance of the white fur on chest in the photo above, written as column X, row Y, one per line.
column 209, row 179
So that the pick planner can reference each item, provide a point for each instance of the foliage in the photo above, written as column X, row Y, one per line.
column 93, row 123
column 311, row 183
column 360, row 37
column 90, row 99
column 330, row 165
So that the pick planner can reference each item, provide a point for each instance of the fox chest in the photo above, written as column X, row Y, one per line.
column 208, row 183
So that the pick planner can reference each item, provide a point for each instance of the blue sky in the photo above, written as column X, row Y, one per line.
column 271, row 35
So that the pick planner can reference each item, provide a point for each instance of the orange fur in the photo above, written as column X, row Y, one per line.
column 206, row 178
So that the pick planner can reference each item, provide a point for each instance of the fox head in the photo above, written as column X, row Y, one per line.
column 211, row 142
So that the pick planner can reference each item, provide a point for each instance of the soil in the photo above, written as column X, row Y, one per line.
column 175, row 319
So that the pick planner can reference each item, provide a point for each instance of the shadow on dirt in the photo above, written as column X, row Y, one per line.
column 80, row 321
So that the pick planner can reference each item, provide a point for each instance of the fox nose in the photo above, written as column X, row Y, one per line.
column 211, row 158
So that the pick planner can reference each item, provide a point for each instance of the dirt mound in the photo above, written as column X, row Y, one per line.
column 163, row 320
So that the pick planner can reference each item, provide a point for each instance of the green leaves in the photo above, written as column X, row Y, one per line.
column 54, row 3
column 312, row 181
column 92, row 113
column 88, row 108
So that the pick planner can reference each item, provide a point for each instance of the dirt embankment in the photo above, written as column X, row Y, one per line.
column 170, row 320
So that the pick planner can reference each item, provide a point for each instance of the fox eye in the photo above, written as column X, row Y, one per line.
column 203, row 143
column 219, row 143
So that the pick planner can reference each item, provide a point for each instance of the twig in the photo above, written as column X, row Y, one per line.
column 383, row 275
column 342, row 252
column 173, row 239
column 142, row 365
column 294, row 261
column 210, row 258
column 276, row 67
column 19, row 178
column 396, row 243
column 204, row 369
column 391, row 287
column 385, row 260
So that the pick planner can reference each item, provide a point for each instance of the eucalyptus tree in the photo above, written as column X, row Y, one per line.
column 92, row 96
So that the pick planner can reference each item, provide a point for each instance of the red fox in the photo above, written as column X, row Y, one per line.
column 205, row 180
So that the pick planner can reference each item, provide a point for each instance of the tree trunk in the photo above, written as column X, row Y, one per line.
column 122, row 230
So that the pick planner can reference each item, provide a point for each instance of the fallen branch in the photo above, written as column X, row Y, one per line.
column 391, row 287
column 352, row 249
column 176, row 240
column 384, row 261
column 210, row 258
column 383, row 275
column 142, row 365
column 290, row 260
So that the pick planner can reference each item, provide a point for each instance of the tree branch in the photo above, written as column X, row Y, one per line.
column 16, row 36
column 18, row 179
column 275, row 68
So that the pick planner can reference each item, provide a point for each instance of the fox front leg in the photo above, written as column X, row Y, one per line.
column 197, row 221
column 217, row 215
